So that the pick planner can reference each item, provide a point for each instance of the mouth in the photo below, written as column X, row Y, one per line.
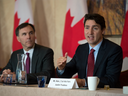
column 29, row 41
column 91, row 37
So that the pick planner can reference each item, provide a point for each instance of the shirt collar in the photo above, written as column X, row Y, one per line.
column 96, row 48
column 30, row 51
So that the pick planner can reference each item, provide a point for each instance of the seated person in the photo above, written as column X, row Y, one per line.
column 105, row 61
column 41, row 58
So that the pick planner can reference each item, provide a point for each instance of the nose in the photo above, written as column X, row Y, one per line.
column 28, row 35
column 90, row 31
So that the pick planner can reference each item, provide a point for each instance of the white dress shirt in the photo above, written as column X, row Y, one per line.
column 30, row 55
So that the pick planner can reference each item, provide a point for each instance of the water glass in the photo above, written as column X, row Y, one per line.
column 8, row 78
column 41, row 81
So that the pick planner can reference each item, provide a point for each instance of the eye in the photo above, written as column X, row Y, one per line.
column 95, row 28
column 24, row 34
column 31, row 32
column 86, row 27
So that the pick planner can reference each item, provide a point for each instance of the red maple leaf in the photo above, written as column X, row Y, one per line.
column 72, row 35
column 16, row 45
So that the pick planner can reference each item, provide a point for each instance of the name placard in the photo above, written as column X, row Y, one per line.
column 62, row 83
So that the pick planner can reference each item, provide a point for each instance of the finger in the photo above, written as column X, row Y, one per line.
column 4, row 70
column 1, row 77
column 66, row 54
column 8, row 70
column 61, row 60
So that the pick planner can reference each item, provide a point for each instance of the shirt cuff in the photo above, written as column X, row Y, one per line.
column 60, row 71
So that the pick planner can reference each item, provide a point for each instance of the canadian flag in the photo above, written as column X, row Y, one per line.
column 124, row 42
column 74, row 27
column 23, row 13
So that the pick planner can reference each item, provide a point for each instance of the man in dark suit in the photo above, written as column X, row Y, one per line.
column 41, row 58
column 107, row 56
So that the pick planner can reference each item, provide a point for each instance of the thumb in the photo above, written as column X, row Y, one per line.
column 66, row 54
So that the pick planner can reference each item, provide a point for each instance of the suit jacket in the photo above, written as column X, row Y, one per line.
column 107, row 67
column 42, row 63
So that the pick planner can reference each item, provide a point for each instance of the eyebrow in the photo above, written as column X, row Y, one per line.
column 31, row 31
column 28, row 32
column 92, row 26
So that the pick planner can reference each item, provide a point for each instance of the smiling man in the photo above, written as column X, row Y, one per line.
column 41, row 58
column 99, row 57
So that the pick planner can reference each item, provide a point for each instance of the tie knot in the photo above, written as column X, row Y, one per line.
column 92, row 50
column 27, row 54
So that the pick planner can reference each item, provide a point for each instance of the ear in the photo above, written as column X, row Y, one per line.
column 18, row 39
column 103, row 31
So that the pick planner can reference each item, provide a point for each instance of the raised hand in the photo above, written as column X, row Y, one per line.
column 61, row 62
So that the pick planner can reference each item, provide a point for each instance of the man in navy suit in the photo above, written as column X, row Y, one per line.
column 107, row 56
column 41, row 57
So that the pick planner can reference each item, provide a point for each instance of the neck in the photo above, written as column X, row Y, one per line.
column 29, row 48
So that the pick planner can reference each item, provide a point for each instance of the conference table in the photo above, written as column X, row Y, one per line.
column 34, row 90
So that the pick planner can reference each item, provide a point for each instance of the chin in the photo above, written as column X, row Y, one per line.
column 30, row 46
column 90, row 41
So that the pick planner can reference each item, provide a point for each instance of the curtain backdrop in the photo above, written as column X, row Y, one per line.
column 49, row 20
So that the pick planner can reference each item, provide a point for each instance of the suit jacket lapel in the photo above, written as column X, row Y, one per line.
column 84, row 57
column 100, row 56
column 34, row 58
column 21, row 51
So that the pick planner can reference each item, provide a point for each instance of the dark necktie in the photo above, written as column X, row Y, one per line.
column 90, row 63
column 28, row 63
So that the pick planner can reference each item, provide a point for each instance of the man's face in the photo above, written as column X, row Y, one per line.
column 26, row 37
column 93, row 32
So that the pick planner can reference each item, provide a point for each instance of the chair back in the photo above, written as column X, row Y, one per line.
column 124, row 78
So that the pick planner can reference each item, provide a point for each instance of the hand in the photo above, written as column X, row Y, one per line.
column 61, row 62
column 1, row 78
column 80, row 82
column 6, row 71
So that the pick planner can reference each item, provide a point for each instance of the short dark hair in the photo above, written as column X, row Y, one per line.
column 97, row 18
column 22, row 26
